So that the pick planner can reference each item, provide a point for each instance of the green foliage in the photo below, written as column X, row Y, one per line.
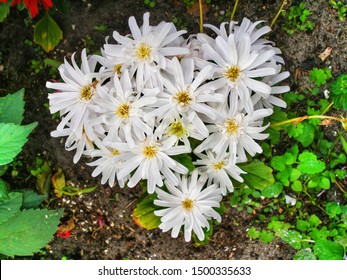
column 341, row 8
column 13, row 134
column 47, row 33
column 149, row 3
column 4, row 10
column 320, row 76
column 143, row 214
column 24, row 230
column 297, row 19
column 259, row 176
column 338, row 91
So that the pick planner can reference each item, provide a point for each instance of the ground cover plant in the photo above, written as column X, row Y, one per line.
column 284, row 189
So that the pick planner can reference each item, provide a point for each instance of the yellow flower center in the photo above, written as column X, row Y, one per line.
column 115, row 152
column 232, row 73
column 176, row 128
column 143, row 52
column 117, row 69
column 88, row 91
column 231, row 127
column 150, row 151
column 219, row 165
column 123, row 111
column 183, row 97
column 187, row 205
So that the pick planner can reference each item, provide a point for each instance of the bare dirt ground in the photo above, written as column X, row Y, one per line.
column 119, row 237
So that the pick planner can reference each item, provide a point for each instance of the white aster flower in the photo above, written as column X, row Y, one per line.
column 235, row 132
column 271, row 101
column 187, row 95
column 238, row 67
column 151, row 159
column 121, row 109
column 219, row 170
column 189, row 205
column 74, row 97
column 109, row 162
column 146, row 51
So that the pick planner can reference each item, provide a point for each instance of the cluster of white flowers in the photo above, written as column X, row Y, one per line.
column 150, row 92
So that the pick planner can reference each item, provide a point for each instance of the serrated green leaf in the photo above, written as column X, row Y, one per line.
column 143, row 214
column 305, row 254
column 28, row 232
column 276, row 225
column 328, row 250
column 47, row 33
column 291, row 237
column 4, row 10
column 296, row 186
column 12, row 107
column 9, row 207
column 12, row 139
column 277, row 163
column 31, row 199
column 259, row 176
column 309, row 163
column 272, row 191
column 295, row 130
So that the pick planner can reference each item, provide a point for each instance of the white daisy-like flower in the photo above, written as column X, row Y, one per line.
column 74, row 97
column 235, row 132
column 271, row 101
column 187, row 95
column 151, row 159
column 146, row 51
column 219, row 170
column 237, row 67
column 189, row 205
column 121, row 109
column 109, row 162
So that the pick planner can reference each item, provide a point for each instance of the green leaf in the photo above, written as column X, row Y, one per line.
column 277, row 163
column 277, row 225
column 185, row 160
column 296, row 186
column 302, row 225
column 291, row 237
column 266, row 237
column 12, row 107
column 309, row 163
column 307, row 136
column 3, row 189
column 28, row 232
column 253, row 232
column 338, row 91
column 328, row 250
column 13, row 137
column 333, row 209
column 31, row 199
column 143, row 214
column 259, row 176
column 47, row 33
column 305, row 254
column 4, row 10
column 324, row 183
column 294, row 174
column 314, row 221
column 272, row 191
column 9, row 207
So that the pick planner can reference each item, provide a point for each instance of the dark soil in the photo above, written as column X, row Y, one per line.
column 103, row 224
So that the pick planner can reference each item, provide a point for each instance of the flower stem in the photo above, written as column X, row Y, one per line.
column 278, row 13
column 300, row 119
column 201, row 17
column 234, row 10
